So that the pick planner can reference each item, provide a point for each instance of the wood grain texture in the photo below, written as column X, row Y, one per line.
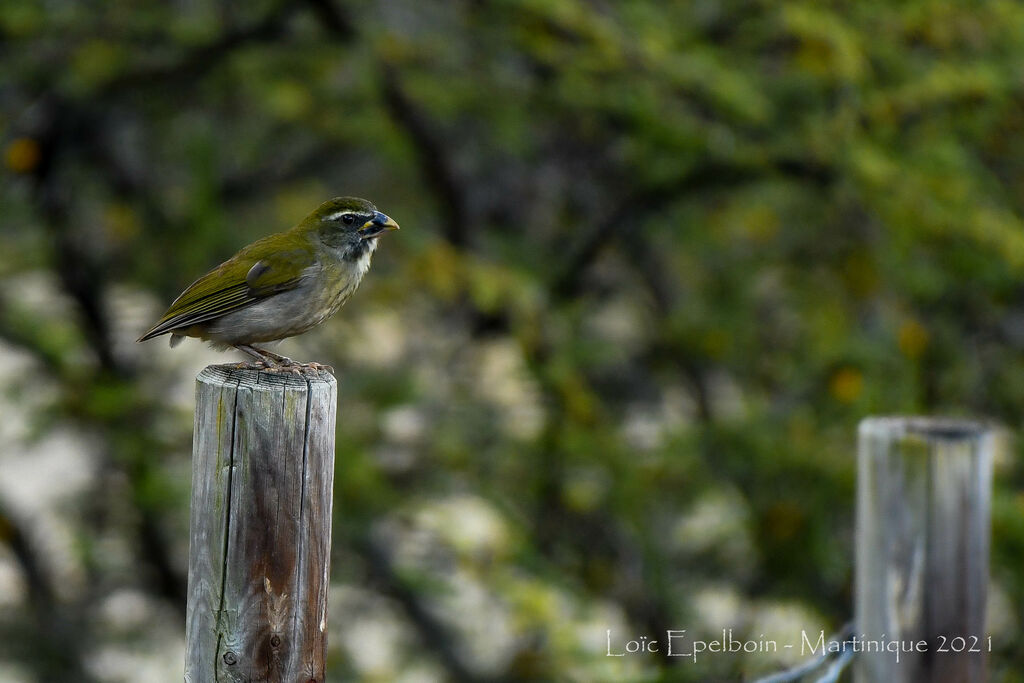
column 259, row 559
column 922, row 549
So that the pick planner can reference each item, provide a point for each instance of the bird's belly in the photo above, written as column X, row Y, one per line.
column 279, row 316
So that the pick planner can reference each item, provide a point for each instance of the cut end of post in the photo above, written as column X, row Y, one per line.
column 941, row 428
column 231, row 373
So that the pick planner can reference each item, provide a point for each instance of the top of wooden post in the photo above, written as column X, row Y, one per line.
column 249, row 377
column 940, row 428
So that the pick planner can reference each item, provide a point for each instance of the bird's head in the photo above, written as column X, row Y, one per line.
column 348, row 222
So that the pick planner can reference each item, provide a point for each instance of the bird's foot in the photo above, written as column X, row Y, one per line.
column 318, row 367
column 297, row 368
column 268, row 361
column 290, row 367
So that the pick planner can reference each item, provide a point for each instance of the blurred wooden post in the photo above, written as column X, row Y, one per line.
column 922, row 546
column 262, row 477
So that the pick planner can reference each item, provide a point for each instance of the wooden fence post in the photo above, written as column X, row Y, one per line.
column 262, row 477
column 922, row 547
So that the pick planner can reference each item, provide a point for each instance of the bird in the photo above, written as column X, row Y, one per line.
column 280, row 286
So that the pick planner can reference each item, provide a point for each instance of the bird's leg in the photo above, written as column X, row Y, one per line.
column 275, row 362
column 281, row 360
column 262, row 360
column 279, row 363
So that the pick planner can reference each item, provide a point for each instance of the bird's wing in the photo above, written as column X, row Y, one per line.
column 238, row 282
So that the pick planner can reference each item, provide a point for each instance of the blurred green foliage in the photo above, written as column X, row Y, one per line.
column 657, row 260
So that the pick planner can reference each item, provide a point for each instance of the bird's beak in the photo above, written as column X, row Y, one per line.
column 378, row 225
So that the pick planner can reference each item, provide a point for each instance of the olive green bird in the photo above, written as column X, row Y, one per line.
column 281, row 285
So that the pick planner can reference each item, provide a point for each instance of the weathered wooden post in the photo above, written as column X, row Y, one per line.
column 922, row 548
column 262, row 477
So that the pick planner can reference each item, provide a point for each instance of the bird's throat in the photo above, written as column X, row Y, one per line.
column 357, row 251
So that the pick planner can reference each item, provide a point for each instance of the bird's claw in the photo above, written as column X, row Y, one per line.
column 318, row 367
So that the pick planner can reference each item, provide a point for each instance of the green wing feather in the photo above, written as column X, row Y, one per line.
column 260, row 270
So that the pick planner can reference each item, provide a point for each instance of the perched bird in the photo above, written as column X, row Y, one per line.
column 281, row 285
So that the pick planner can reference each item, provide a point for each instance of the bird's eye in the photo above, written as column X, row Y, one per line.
column 348, row 219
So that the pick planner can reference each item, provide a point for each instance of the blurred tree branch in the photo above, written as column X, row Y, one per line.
column 634, row 208
column 436, row 165
column 83, row 278
column 57, row 647
column 335, row 22
column 197, row 61
column 430, row 629
column 435, row 162
column 275, row 173
column 40, row 592
column 61, row 128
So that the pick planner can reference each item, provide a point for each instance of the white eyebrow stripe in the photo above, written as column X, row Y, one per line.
column 335, row 215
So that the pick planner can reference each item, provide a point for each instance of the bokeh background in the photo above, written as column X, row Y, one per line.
column 657, row 259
